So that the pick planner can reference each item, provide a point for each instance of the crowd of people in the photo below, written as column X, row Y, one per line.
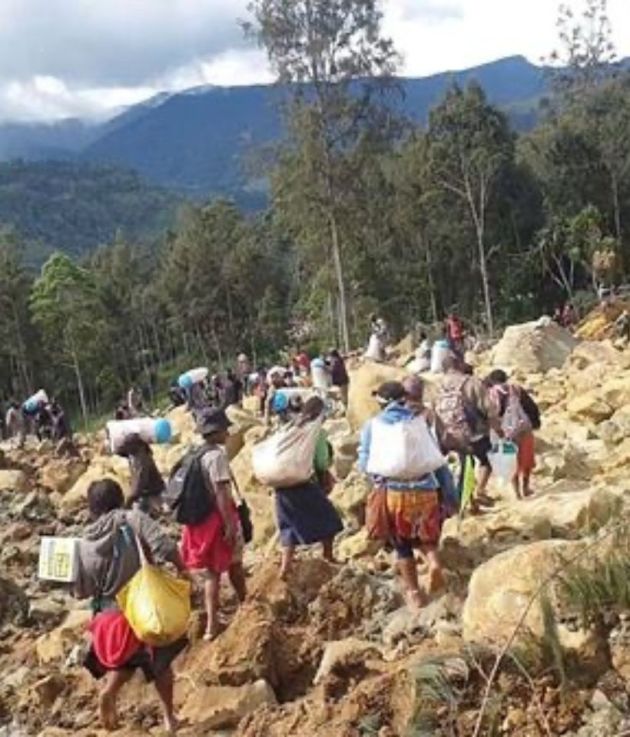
column 433, row 443
column 45, row 420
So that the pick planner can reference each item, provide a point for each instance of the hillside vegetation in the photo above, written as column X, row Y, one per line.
column 76, row 207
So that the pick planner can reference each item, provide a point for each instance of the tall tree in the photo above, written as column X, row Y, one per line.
column 332, row 53
column 66, row 307
column 471, row 145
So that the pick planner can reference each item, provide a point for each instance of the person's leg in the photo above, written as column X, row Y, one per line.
column 516, row 485
column 237, row 579
column 407, row 567
column 211, row 599
column 436, row 573
column 165, row 687
column 327, row 548
column 288, row 553
column 114, row 681
column 526, row 489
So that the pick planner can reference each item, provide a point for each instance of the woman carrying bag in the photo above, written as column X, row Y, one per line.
column 113, row 553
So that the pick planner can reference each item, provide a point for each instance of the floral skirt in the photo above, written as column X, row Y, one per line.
column 415, row 516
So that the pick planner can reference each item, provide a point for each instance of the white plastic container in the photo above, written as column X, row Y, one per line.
column 320, row 377
column 150, row 429
column 192, row 377
column 32, row 404
column 58, row 559
column 441, row 350
column 504, row 461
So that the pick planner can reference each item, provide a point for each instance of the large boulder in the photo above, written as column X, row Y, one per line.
column 55, row 646
column 350, row 496
column 13, row 604
column 534, row 347
column 590, row 407
column 13, row 480
column 364, row 380
column 101, row 467
column 223, row 707
column 504, row 597
column 59, row 475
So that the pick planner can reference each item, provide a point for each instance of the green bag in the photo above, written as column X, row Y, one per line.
column 469, row 485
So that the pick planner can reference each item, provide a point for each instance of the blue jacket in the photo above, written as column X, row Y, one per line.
column 442, row 478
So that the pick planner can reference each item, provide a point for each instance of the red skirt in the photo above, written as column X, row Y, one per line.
column 526, row 454
column 204, row 547
column 113, row 640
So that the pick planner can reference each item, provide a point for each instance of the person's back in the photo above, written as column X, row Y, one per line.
column 147, row 483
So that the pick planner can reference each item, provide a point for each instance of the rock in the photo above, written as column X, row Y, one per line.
column 534, row 347
column 344, row 654
column 242, row 466
column 13, row 481
column 404, row 623
column 48, row 689
column 561, row 511
column 13, row 604
column 505, row 592
column 56, row 645
column 589, row 407
column 223, row 707
column 617, row 428
column 358, row 546
column 363, row 382
column 60, row 475
column 589, row 353
column 242, row 423
column 350, row 496
column 101, row 467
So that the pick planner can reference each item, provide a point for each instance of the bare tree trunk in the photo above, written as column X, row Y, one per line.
column 616, row 207
column 485, row 280
column 341, row 285
column 80, row 387
column 426, row 245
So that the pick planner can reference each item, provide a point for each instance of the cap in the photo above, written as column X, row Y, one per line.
column 390, row 391
column 211, row 421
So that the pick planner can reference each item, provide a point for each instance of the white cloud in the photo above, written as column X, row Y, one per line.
column 62, row 58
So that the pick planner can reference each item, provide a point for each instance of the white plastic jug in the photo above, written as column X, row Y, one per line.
column 320, row 376
column 192, row 377
column 32, row 404
column 504, row 461
column 441, row 350
column 151, row 430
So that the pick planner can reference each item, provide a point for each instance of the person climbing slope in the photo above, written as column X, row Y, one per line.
column 464, row 416
column 212, row 543
column 406, row 500
column 147, row 484
column 108, row 560
column 520, row 416
column 304, row 513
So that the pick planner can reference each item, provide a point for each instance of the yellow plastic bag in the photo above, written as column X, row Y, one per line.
column 156, row 605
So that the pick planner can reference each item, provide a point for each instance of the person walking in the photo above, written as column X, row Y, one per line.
column 520, row 416
column 412, row 506
column 147, row 484
column 339, row 375
column 464, row 416
column 215, row 545
column 304, row 514
column 108, row 559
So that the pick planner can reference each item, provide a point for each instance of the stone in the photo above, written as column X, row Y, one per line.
column 364, row 380
column 404, row 623
column 343, row 654
column 13, row 480
column 48, row 689
column 358, row 545
column 56, row 645
column 13, row 604
column 350, row 496
column 589, row 407
column 60, row 475
column 534, row 347
column 223, row 707
column 101, row 467
column 504, row 593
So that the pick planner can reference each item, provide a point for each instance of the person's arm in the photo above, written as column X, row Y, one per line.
column 218, row 470
column 364, row 446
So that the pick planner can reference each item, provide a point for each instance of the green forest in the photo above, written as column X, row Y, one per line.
column 367, row 213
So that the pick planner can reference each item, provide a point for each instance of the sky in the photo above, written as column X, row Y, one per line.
column 89, row 58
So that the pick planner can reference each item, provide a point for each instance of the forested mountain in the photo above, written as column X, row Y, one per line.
column 201, row 142
column 76, row 206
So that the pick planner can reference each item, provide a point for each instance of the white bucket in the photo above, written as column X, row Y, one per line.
column 441, row 350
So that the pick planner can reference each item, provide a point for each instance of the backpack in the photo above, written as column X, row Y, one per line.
column 454, row 417
column 515, row 421
column 187, row 493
